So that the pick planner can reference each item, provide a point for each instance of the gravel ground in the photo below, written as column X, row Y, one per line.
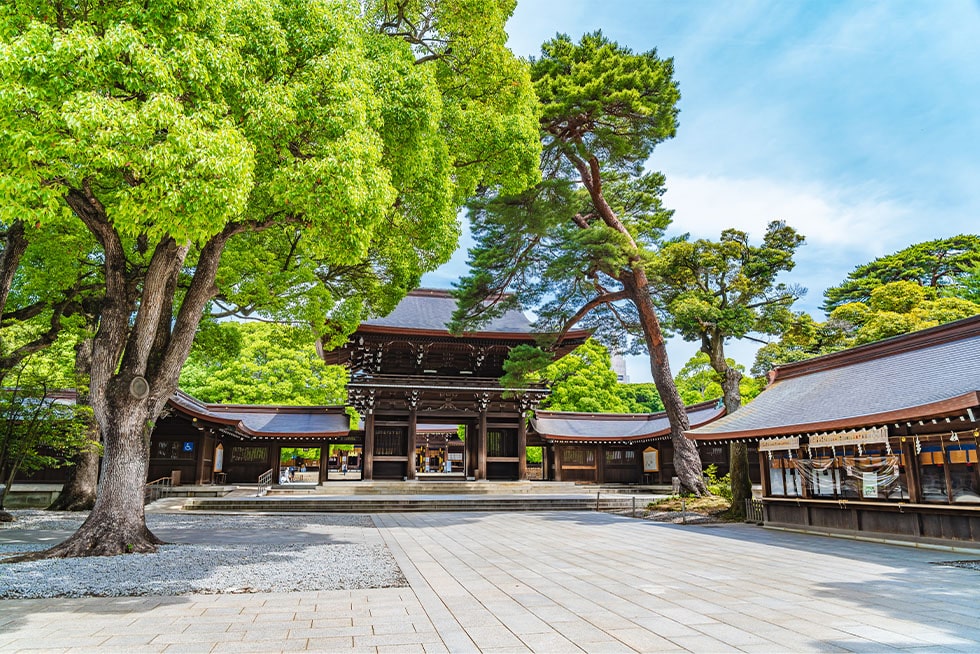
column 219, row 554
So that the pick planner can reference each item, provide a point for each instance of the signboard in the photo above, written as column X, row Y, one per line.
column 788, row 443
column 188, row 446
column 869, row 484
column 219, row 457
column 859, row 437
column 455, row 456
column 651, row 460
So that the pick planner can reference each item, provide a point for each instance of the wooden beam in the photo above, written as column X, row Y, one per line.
column 367, row 465
column 411, row 444
column 481, row 447
column 522, row 448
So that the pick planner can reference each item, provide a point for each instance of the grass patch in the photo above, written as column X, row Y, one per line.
column 712, row 505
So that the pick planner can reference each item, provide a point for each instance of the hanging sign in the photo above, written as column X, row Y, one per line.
column 787, row 443
column 219, row 457
column 858, row 437
column 651, row 460
column 869, row 484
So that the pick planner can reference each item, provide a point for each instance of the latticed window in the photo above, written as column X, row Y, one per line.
column 389, row 441
column 578, row 456
column 249, row 454
column 620, row 457
column 501, row 442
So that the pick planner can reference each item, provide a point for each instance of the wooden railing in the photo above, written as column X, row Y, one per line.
column 753, row 511
column 265, row 482
column 154, row 489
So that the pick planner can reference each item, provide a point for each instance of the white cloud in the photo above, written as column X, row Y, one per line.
column 704, row 206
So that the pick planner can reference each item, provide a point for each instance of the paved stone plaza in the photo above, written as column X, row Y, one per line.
column 557, row 582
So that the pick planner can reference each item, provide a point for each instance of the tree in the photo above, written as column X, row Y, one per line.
column 892, row 309
column 968, row 284
column 938, row 265
column 717, row 290
column 37, row 429
column 640, row 398
column 584, row 380
column 577, row 246
column 260, row 363
column 698, row 381
column 899, row 308
column 172, row 132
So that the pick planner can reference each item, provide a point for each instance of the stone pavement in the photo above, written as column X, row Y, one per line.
column 558, row 582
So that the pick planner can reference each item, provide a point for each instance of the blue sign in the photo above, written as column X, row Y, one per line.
column 188, row 446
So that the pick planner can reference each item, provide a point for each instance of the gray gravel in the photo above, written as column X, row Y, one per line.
column 209, row 554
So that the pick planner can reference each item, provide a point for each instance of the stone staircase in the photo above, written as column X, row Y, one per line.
column 383, row 496
column 412, row 503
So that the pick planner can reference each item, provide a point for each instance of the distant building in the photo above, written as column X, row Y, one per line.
column 619, row 367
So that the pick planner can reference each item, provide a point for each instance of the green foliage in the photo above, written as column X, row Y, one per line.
column 640, row 398
column 940, row 265
column 697, row 381
column 534, row 454
column 38, row 430
column 893, row 309
column 584, row 381
column 260, row 363
column 604, row 106
column 721, row 486
column 968, row 284
column 293, row 455
column 727, row 288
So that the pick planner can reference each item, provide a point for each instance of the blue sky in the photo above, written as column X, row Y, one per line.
column 858, row 123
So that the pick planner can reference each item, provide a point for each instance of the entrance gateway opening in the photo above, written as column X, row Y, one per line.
column 430, row 402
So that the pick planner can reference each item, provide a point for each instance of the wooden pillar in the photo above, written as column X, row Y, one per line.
column 481, row 447
column 367, row 452
column 324, row 461
column 600, row 464
column 558, row 449
column 764, row 474
column 202, row 452
column 546, row 472
column 522, row 449
column 410, row 444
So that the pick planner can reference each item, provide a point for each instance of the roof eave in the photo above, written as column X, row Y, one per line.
column 951, row 405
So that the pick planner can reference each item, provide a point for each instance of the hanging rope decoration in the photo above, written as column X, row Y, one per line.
column 918, row 446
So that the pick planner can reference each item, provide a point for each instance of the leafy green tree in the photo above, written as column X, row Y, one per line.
column 717, row 290
column 584, row 380
column 172, row 132
column 640, row 398
column 968, row 284
column 578, row 245
column 260, row 363
column 803, row 339
column 37, row 429
column 899, row 308
column 698, row 381
column 937, row 265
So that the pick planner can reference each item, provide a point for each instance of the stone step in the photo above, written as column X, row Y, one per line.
column 398, row 504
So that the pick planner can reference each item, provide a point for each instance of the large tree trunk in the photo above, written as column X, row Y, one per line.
column 136, row 362
column 738, row 455
column 117, row 522
column 14, row 246
column 687, row 460
column 78, row 493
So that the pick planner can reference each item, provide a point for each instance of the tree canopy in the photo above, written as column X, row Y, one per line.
column 323, row 146
column 577, row 245
column 260, row 363
column 938, row 265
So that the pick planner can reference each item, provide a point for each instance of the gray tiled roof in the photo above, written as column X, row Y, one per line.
column 564, row 425
column 899, row 376
column 259, row 420
column 431, row 310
